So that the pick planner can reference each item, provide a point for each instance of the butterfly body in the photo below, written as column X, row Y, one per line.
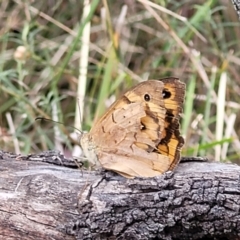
column 139, row 135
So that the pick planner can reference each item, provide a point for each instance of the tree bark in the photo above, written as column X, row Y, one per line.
column 44, row 201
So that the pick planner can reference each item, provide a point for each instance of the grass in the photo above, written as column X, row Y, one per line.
column 51, row 55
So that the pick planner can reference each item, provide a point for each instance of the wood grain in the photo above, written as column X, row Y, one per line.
column 44, row 201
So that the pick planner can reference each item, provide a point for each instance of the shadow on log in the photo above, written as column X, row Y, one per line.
column 40, row 200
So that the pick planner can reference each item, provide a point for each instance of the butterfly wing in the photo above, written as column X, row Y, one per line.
column 126, row 138
column 172, row 142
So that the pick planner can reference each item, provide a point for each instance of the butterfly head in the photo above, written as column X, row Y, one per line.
column 89, row 149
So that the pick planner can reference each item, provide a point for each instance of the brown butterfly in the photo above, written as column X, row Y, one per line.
column 139, row 134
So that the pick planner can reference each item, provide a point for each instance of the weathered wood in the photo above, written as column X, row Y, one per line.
column 201, row 200
column 42, row 201
column 38, row 199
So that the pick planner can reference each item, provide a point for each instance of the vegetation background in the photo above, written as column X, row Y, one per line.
column 61, row 58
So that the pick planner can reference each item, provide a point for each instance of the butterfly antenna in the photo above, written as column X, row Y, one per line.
column 47, row 119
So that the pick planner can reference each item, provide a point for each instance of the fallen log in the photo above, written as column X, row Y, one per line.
column 45, row 196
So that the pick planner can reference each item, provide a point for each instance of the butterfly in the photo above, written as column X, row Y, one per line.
column 139, row 134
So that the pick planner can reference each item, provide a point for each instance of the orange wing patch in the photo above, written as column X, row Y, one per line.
column 172, row 142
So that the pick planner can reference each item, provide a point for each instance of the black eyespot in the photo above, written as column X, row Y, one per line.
column 147, row 98
column 166, row 94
